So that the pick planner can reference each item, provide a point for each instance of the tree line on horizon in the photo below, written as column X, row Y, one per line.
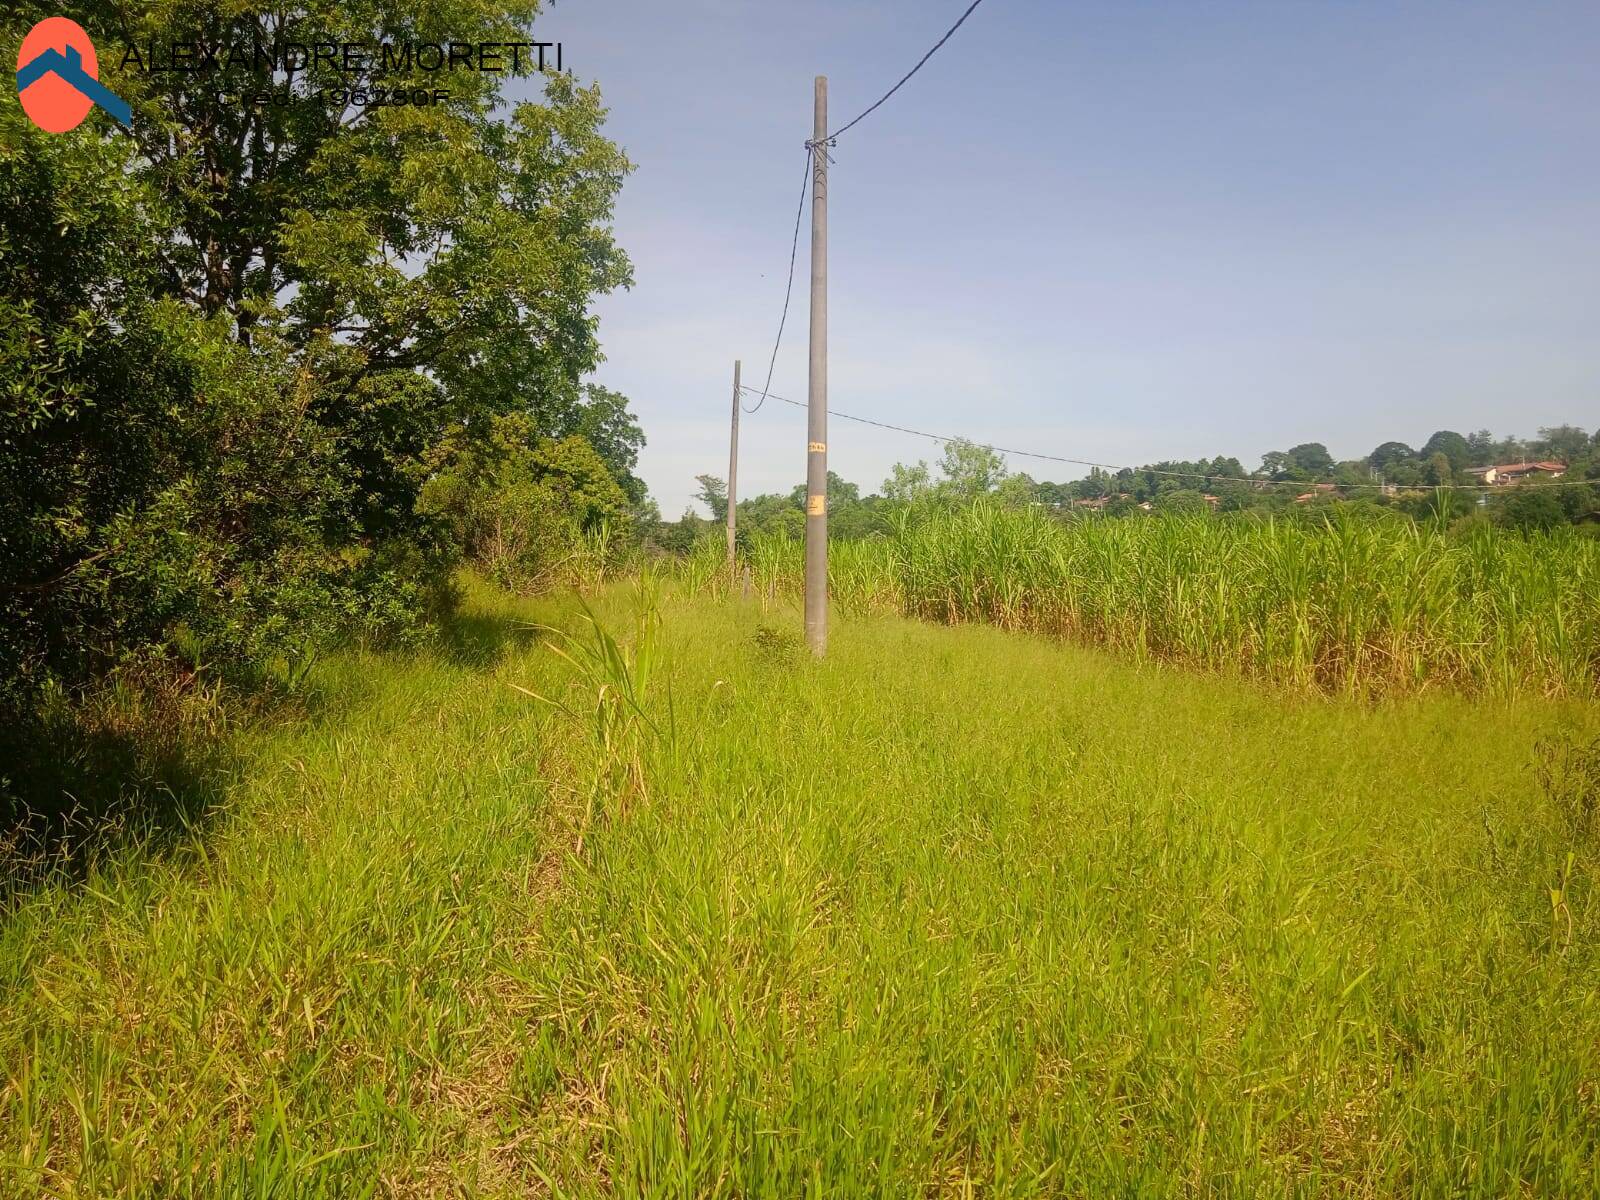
column 1393, row 476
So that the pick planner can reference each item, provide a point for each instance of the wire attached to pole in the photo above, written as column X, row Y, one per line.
column 876, row 105
column 788, row 289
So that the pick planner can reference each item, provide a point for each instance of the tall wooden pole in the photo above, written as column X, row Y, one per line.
column 817, row 397
column 733, row 478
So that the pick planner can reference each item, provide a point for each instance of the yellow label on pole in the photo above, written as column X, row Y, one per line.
column 817, row 447
column 816, row 506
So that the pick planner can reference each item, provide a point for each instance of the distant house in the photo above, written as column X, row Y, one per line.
column 1097, row 503
column 1508, row 473
column 1317, row 489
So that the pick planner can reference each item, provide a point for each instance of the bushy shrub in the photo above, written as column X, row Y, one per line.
column 524, row 508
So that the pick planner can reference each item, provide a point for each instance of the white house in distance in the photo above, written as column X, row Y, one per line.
column 1519, row 472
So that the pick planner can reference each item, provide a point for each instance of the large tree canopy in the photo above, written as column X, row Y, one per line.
column 233, row 337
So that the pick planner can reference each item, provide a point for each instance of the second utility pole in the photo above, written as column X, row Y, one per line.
column 817, row 396
column 733, row 481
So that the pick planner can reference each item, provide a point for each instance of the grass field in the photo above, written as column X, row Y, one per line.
column 1358, row 602
column 956, row 911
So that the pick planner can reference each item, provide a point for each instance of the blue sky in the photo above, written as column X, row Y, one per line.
column 1112, row 231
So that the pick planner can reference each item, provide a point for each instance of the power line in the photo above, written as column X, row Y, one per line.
column 788, row 288
column 1114, row 469
column 820, row 145
column 878, row 103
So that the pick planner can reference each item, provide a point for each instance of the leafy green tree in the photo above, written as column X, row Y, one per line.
column 1510, row 450
column 1275, row 464
column 908, row 485
column 1226, row 468
column 1389, row 454
column 1452, row 445
column 771, row 513
column 1181, row 500
column 1312, row 458
column 1562, row 442
column 1408, row 473
column 601, row 417
column 1309, row 460
column 1480, row 448
column 1018, row 491
column 1056, row 495
column 517, row 503
column 968, row 470
column 235, row 341
column 841, row 492
column 1531, row 508
column 153, row 471
column 462, row 239
column 713, row 493
column 849, row 516
column 1095, row 484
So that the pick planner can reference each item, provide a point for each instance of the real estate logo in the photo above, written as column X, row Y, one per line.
column 58, row 77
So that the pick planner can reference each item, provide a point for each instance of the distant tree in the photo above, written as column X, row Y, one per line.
column 1312, row 457
column 1308, row 460
column 1233, row 496
column 1530, row 508
column 1093, row 485
column 841, row 492
column 907, row 485
column 1563, row 442
column 1480, row 448
column 1122, row 505
column 1407, row 472
column 713, row 494
column 770, row 513
column 1386, row 455
column 1510, row 450
column 1275, row 464
column 601, row 417
column 1181, row 500
column 1438, row 471
column 1229, row 468
column 1452, row 445
column 1057, row 495
column 969, row 469
column 1018, row 491
column 678, row 537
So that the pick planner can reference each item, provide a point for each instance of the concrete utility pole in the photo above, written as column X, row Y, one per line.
column 817, row 396
column 733, row 477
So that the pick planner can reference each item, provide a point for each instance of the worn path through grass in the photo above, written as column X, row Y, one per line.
column 953, row 910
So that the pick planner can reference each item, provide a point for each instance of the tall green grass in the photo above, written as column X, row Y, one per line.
column 1344, row 606
column 950, row 913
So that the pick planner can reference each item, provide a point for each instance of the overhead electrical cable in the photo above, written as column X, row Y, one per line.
column 788, row 288
column 812, row 148
column 872, row 108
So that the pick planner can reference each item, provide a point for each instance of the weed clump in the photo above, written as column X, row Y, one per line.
column 774, row 645
column 1569, row 772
